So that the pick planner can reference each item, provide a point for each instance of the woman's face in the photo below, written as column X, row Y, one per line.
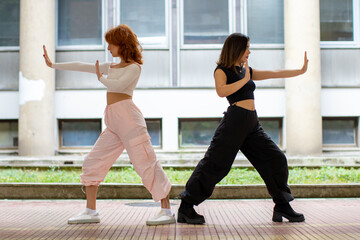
column 246, row 54
column 114, row 50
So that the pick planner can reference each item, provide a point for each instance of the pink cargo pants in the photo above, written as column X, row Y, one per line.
column 126, row 129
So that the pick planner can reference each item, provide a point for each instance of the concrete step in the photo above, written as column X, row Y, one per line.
column 138, row 191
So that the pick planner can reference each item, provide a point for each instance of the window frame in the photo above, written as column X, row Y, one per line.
column 356, row 134
column 11, row 120
column 12, row 48
column 81, row 47
column 190, row 119
column 61, row 120
column 356, row 32
column 9, row 49
column 280, row 121
column 161, row 132
column 244, row 28
column 155, row 46
column 231, row 20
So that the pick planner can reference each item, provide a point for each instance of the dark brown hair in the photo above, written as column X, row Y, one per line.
column 234, row 47
column 130, row 48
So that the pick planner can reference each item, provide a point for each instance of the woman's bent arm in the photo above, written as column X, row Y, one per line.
column 123, row 81
column 223, row 89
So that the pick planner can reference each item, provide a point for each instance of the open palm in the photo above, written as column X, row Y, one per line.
column 46, row 57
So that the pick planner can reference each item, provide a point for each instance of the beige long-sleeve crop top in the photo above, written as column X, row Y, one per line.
column 118, row 80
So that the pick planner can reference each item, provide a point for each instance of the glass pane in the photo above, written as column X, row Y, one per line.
column 265, row 21
column 206, row 21
column 339, row 132
column 272, row 129
column 79, row 22
column 146, row 19
column 9, row 22
column 197, row 132
column 80, row 133
column 154, row 129
column 8, row 134
column 336, row 20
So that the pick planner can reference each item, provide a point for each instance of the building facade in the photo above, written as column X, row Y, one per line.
column 45, row 112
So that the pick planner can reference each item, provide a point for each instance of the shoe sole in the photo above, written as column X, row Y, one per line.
column 277, row 217
column 84, row 221
column 184, row 219
column 155, row 223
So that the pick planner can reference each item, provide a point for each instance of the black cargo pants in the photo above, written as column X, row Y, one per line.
column 239, row 130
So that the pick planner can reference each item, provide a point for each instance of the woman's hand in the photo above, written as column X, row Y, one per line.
column 47, row 59
column 306, row 60
column 98, row 74
column 247, row 71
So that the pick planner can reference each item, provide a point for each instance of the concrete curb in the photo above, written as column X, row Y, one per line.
column 180, row 159
column 138, row 191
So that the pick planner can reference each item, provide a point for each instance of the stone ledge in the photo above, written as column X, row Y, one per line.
column 138, row 191
column 187, row 160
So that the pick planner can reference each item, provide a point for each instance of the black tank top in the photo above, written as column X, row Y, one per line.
column 246, row 92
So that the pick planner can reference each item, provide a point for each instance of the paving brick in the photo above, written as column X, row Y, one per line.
column 225, row 219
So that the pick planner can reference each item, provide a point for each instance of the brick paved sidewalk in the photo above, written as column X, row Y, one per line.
column 225, row 219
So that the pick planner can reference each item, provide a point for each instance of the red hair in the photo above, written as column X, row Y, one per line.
column 130, row 48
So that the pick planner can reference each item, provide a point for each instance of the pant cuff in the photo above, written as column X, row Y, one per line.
column 90, row 183
column 166, row 192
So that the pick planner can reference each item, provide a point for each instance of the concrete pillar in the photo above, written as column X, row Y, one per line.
column 303, row 93
column 36, row 80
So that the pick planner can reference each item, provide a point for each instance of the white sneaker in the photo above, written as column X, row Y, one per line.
column 84, row 217
column 161, row 218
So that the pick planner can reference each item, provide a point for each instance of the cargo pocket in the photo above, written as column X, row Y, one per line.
column 139, row 139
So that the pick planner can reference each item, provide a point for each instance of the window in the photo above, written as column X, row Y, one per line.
column 146, row 18
column 80, row 22
column 205, row 21
column 273, row 128
column 79, row 133
column 197, row 132
column 8, row 134
column 340, row 131
column 154, row 129
column 336, row 20
column 265, row 21
column 9, row 23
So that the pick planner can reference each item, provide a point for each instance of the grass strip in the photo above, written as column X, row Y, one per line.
column 241, row 176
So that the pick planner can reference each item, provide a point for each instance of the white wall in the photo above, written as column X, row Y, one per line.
column 171, row 104
column 9, row 105
column 339, row 102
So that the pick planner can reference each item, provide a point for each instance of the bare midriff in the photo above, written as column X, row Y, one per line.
column 116, row 97
column 248, row 104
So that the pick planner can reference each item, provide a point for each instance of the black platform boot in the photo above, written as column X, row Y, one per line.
column 285, row 210
column 187, row 214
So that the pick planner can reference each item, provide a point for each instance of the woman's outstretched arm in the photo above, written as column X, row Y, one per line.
column 75, row 66
column 262, row 75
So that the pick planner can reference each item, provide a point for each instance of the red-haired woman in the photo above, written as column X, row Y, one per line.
column 126, row 127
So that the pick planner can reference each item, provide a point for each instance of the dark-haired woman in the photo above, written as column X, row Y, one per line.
column 239, row 129
column 125, row 127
